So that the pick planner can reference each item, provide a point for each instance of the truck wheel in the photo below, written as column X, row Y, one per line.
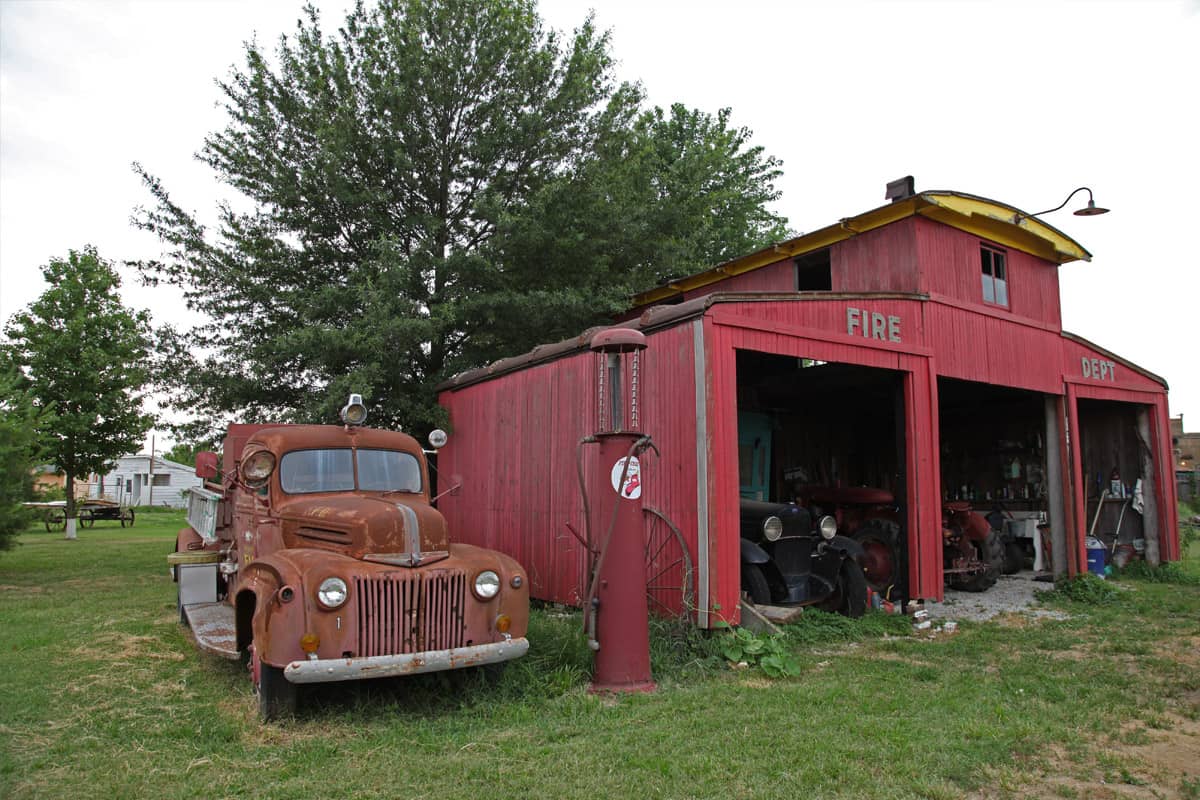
column 991, row 553
column 880, row 539
column 850, row 596
column 276, row 694
column 754, row 583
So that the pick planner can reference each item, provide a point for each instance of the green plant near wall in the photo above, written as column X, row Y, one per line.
column 768, row 653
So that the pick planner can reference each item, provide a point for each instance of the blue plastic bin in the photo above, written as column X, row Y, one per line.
column 1097, row 554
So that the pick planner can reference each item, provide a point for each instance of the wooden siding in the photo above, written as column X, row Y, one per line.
column 777, row 277
column 950, row 267
column 513, row 445
column 993, row 349
column 882, row 260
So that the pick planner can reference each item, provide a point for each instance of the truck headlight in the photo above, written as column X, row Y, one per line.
column 487, row 584
column 332, row 593
column 257, row 467
column 772, row 528
column 828, row 527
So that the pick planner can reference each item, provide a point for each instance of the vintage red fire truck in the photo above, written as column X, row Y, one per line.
column 318, row 556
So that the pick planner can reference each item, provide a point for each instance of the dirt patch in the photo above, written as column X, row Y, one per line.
column 1167, row 765
column 124, row 648
column 26, row 589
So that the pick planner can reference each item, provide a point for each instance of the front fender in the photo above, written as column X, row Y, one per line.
column 846, row 547
column 753, row 554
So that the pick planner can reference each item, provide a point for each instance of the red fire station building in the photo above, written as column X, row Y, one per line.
column 917, row 347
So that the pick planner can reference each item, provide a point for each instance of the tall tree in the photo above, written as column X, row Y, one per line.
column 18, row 451
column 83, row 356
column 380, row 164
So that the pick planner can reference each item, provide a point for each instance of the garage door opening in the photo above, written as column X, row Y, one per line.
column 996, row 488
column 828, row 440
column 1117, row 473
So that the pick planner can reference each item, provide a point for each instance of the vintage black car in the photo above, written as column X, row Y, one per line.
column 791, row 557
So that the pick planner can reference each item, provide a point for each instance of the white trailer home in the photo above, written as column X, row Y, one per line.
column 131, row 482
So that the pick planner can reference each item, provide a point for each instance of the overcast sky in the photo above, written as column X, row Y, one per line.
column 1017, row 101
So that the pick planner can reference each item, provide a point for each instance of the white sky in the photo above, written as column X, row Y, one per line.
column 1017, row 101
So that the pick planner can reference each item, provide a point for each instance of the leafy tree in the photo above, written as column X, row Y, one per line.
column 18, row 452
column 398, row 174
column 185, row 452
column 84, row 359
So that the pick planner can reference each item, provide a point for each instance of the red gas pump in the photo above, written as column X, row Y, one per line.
column 616, row 601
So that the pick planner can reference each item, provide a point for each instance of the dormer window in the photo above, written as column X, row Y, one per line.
column 995, row 276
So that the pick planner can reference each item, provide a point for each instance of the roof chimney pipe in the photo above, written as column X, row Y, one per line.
column 901, row 189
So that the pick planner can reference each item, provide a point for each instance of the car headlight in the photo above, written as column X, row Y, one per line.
column 257, row 467
column 772, row 528
column 487, row 585
column 332, row 592
column 828, row 527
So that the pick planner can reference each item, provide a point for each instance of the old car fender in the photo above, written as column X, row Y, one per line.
column 753, row 554
column 846, row 547
column 258, row 597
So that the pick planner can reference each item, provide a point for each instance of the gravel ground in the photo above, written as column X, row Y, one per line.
column 1011, row 594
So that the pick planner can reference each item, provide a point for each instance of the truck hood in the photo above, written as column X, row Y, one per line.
column 384, row 529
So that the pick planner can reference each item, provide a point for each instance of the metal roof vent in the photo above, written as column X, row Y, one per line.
column 901, row 189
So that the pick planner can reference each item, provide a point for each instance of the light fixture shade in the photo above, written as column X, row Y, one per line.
column 1091, row 210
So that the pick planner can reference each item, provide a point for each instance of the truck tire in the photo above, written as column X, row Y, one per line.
column 276, row 694
column 754, row 583
column 850, row 597
column 991, row 552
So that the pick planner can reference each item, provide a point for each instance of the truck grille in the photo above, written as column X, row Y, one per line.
column 405, row 613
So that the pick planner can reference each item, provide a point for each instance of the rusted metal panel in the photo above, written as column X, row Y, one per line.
column 214, row 628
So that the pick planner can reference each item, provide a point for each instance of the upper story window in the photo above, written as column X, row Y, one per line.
column 813, row 272
column 995, row 276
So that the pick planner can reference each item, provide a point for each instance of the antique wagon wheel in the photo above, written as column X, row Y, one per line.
column 86, row 518
column 669, row 573
column 56, row 520
column 127, row 517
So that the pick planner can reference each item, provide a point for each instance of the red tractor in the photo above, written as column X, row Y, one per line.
column 972, row 553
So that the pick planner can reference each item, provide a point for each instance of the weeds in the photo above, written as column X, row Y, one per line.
column 1087, row 589
column 1170, row 572
column 768, row 653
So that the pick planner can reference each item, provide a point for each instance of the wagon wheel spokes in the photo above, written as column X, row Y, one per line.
column 668, row 566
column 56, row 520
column 86, row 518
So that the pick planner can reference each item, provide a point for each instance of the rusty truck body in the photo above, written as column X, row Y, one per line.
column 318, row 556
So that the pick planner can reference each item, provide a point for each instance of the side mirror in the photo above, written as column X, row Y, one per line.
column 438, row 438
column 206, row 465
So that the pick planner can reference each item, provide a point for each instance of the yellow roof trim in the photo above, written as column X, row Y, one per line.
column 976, row 215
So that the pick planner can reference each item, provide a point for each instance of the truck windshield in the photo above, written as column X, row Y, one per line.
column 305, row 471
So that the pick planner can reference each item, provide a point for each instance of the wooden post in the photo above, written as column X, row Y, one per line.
column 151, row 475
column 1056, row 491
column 1150, row 515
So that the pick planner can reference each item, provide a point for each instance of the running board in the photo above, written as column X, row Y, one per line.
column 214, row 627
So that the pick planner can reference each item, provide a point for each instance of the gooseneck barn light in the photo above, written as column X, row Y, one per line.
column 1090, row 210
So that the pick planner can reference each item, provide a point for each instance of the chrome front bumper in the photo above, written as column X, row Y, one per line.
column 350, row 669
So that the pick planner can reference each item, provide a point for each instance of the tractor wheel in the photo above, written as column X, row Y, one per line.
column 991, row 552
column 755, row 584
column 276, row 694
column 850, row 596
column 1014, row 558
column 880, row 539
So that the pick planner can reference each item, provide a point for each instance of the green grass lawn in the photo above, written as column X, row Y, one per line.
column 103, row 695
